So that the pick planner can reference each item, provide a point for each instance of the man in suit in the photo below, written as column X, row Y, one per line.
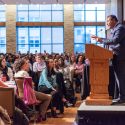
column 117, row 44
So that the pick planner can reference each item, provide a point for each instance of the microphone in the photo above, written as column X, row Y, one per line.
column 100, row 30
column 89, row 41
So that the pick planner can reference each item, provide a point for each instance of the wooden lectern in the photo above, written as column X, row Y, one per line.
column 99, row 74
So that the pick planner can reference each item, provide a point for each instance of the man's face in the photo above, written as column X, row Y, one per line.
column 111, row 22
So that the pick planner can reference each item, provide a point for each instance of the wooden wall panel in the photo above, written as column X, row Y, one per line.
column 39, row 24
column 2, row 23
column 89, row 24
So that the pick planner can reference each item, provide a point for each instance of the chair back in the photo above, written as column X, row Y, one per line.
column 7, row 100
column 19, row 82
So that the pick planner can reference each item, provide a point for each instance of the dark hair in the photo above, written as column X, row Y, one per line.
column 113, row 17
column 1, row 59
column 83, row 57
column 40, row 56
column 4, row 70
column 62, row 61
column 18, row 64
column 49, row 73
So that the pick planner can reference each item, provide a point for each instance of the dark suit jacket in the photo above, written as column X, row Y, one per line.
column 117, row 41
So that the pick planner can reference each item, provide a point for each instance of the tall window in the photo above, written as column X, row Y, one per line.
column 2, row 40
column 40, row 13
column 89, row 17
column 2, row 30
column 40, row 38
column 2, row 13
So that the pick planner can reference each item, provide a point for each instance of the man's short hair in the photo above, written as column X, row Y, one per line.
column 113, row 17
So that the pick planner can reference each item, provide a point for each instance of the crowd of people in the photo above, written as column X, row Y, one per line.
column 55, row 78
column 52, row 79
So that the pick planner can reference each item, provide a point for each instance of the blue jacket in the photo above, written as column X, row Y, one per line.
column 117, row 41
column 49, row 82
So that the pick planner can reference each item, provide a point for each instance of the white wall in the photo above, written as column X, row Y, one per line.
column 114, row 7
column 124, row 10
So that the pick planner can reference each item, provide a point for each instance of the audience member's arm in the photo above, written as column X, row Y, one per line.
column 43, row 79
column 10, row 73
column 2, row 84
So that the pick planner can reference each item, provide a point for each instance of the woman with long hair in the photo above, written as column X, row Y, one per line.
column 49, row 83
column 21, row 68
column 6, row 73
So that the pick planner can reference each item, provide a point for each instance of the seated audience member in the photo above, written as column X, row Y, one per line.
column 30, row 64
column 6, row 73
column 79, row 72
column 38, row 66
column 48, row 83
column 65, row 70
column 56, row 65
column 19, row 105
column 66, row 59
column 72, row 66
column 60, row 81
column 21, row 67
column 8, row 58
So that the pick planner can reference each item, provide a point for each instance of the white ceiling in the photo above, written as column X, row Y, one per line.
column 53, row 1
